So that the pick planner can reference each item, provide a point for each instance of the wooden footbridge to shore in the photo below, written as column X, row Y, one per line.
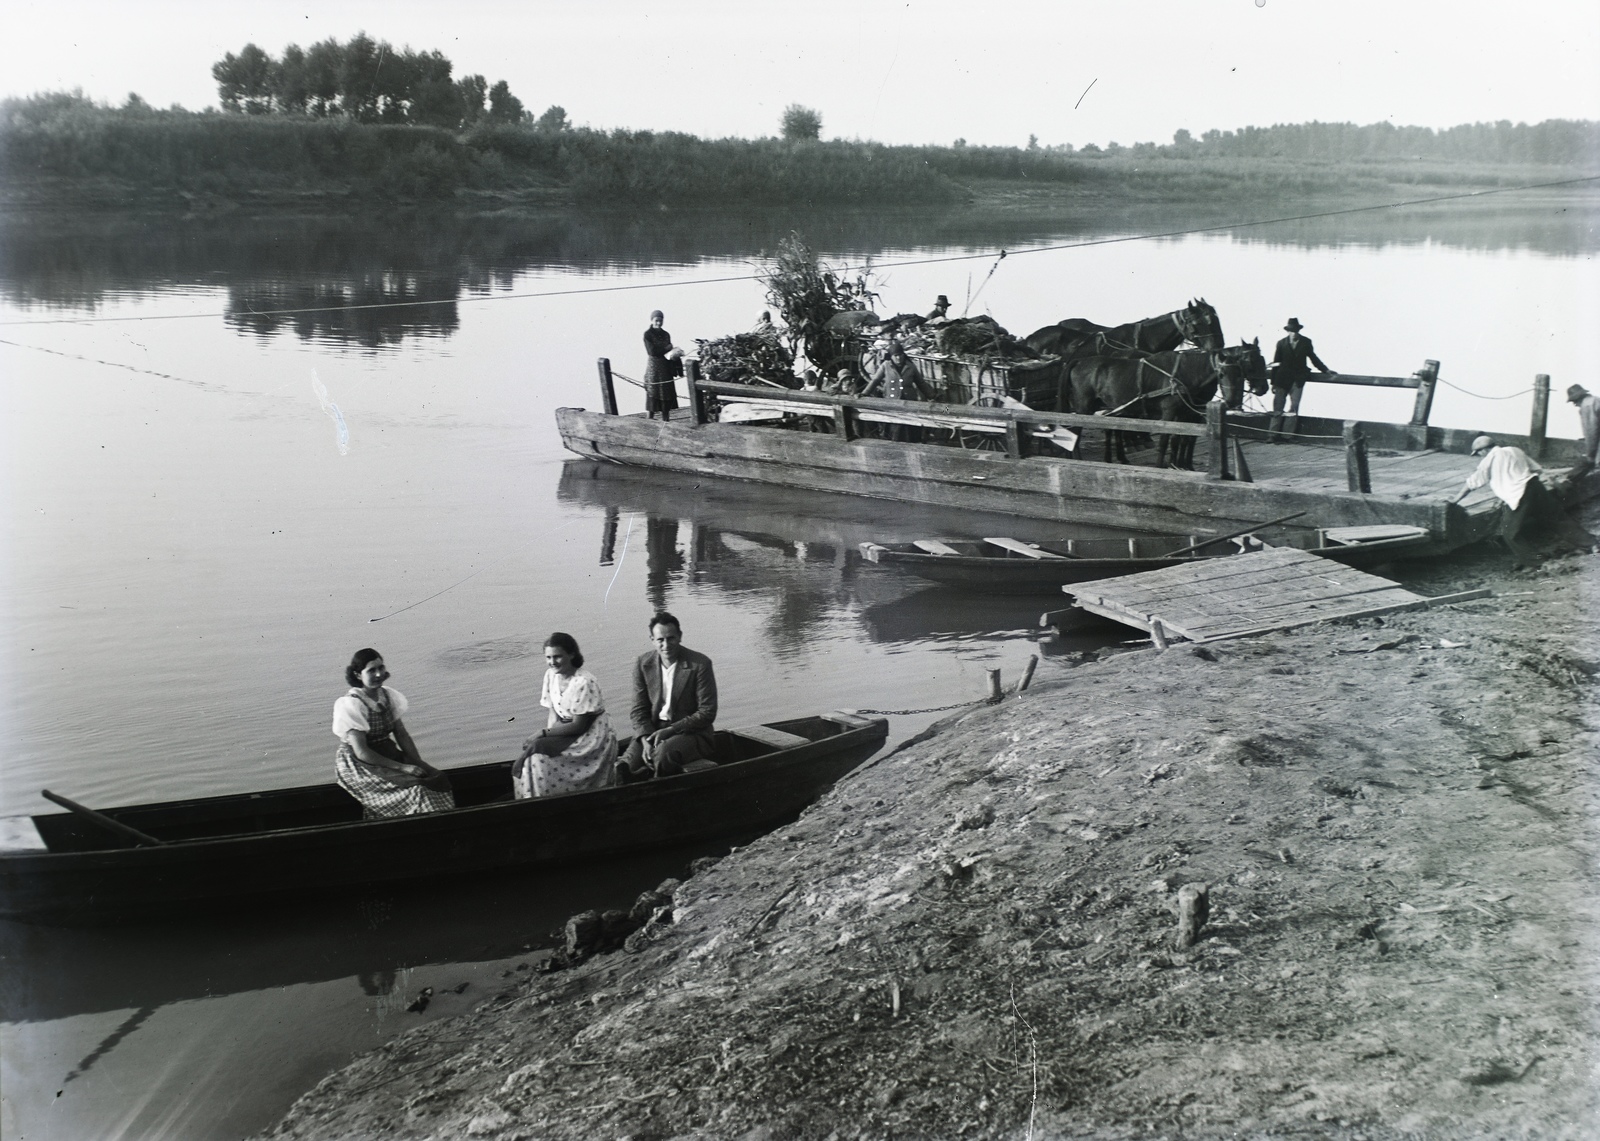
column 1016, row 460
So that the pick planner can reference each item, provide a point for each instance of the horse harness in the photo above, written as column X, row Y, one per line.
column 1173, row 387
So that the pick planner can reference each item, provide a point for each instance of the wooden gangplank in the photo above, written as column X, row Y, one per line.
column 1275, row 589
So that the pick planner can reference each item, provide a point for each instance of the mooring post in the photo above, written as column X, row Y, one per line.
column 1158, row 633
column 1217, row 438
column 1355, row 458
column 608, row 390
column 1027, row 674
column 1428, row 375
column 697, row 398
column 995, row 693
column 1541, row 415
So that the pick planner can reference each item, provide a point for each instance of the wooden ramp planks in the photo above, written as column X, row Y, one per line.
column 1274, row 589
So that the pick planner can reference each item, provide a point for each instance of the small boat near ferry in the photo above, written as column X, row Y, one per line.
column 1003, row 565
column 185, row 855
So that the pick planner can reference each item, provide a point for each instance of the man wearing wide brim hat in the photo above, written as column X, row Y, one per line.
column 1289, row 376
column 940, row 310
column 1514, row 478
column 1589, row 417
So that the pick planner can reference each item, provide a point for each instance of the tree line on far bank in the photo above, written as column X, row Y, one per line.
column 139, row 153
column 368, row 81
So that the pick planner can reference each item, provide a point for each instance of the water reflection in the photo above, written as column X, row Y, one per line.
column 372, row 311
column 796, row 558
column 54, row 972
column 342, row 263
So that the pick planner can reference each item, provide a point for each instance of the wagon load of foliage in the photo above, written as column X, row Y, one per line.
column 746, row 358
column 979, row 337
column 810, row 294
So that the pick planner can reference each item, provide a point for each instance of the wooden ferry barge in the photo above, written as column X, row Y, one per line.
column 1337, row 473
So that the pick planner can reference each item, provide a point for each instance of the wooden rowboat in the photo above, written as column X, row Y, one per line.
column 1009, row 566
column 223, row 849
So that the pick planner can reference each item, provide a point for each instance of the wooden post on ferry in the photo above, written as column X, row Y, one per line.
column 1541, row 415
column 697, row 398
column 608, row 389
column 1355, row 458
column 844, row 423
column 1428, row 378
column 1217, row 438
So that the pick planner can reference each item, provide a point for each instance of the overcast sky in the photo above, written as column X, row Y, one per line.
column 898, row 72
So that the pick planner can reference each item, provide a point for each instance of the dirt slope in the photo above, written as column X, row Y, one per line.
column 974, row 937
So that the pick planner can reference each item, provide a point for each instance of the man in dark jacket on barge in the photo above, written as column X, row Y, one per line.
column 1289, row 375
column 674, row 706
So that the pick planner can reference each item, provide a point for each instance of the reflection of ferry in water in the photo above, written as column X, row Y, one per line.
column 801, row 551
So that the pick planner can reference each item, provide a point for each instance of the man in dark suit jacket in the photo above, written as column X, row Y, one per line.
column 1290, row 373
column 674, row 705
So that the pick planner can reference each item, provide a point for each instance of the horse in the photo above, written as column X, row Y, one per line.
column 1162, row 386
column 1196, row 323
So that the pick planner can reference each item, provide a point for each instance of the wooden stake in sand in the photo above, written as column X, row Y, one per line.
column 1194, row 907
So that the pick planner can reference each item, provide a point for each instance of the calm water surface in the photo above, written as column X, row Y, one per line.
column 206, row 513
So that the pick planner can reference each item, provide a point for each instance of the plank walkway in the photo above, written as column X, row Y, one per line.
column 1275, row 589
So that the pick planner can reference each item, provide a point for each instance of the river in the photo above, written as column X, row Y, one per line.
column 209, row 507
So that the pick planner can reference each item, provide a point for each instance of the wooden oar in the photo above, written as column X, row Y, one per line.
column 1232, row 535
column 103, row 820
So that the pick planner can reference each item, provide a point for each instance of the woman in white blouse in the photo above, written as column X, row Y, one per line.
column 378, row 762
column 578, row 749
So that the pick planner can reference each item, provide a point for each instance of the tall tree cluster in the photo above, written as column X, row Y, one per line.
column 363, row 79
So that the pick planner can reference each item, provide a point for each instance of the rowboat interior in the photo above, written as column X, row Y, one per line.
column 328, row 805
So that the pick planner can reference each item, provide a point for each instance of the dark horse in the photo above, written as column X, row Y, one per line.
column 1196, row 323
column 1164, row 386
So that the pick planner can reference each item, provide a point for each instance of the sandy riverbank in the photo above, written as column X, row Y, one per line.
column 974, row 936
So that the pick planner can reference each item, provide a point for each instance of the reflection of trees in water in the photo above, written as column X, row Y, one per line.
column 75, row 262
column 346, row 311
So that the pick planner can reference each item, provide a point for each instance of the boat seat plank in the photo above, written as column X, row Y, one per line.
column 767, row 735
column 934, row 547
column 1374, row 531
column 20, row 834
column 1019, row 548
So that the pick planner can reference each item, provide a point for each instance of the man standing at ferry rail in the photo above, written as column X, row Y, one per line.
column 674, row 706
column 1589, row 417
column 1289, row 376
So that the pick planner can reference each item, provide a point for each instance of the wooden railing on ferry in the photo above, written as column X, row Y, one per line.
column 845, row 410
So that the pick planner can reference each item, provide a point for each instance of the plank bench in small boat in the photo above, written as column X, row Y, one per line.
column 222, row 849
column 1008, row 566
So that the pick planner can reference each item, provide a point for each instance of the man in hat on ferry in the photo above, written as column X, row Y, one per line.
column 1514, row 478
column 941, row 309
column 1289, row 375
column 1589, row 417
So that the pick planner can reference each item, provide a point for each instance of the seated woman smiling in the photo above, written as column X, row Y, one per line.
column 378, row 762
column 578, row 749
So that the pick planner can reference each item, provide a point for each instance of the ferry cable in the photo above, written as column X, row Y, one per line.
column 635, row 287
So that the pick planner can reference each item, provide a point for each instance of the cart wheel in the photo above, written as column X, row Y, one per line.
column 980, row 441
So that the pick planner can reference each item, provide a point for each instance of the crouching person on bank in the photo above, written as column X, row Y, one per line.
column 674, row 706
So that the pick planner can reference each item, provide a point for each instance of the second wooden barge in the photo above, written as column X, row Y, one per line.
column 1338, row 473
